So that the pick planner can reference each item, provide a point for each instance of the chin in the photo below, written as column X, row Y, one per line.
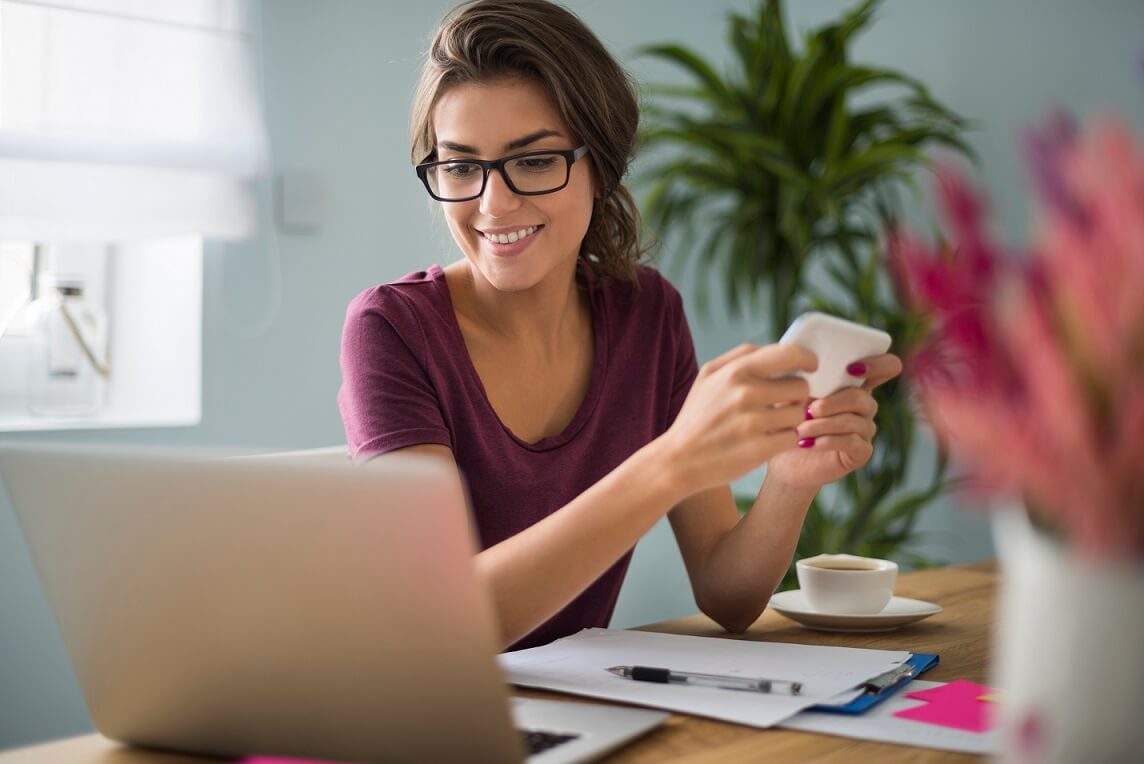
column 509, row 277
column 510, row 274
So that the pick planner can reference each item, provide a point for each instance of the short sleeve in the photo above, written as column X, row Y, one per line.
column 686, row 368
column 387, row 399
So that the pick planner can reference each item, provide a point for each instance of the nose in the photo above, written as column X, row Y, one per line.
column 498, row 198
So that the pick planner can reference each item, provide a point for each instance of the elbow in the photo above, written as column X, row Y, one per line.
column 735, row 625
column 735, row 618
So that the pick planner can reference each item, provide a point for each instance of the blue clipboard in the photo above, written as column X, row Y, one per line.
column 921, row 661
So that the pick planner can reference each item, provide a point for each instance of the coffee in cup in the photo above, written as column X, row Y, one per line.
column 847, row 584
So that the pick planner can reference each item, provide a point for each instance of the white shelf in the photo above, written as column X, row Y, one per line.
column 16, row 422
column 155, row 308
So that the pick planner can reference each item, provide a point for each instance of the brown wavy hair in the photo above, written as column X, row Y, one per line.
column 481, row 41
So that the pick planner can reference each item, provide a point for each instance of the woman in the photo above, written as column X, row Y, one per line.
column 556, row 371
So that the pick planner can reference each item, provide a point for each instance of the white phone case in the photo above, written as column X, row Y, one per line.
column 837, row 343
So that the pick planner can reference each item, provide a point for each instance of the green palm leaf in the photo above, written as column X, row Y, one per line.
column 769, row 173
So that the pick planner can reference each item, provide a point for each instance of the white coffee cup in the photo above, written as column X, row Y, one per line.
column 846, row 584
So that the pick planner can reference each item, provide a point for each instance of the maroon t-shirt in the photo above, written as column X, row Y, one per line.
column 408, row 380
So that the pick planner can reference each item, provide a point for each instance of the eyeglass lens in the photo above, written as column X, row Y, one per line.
column 536, row 173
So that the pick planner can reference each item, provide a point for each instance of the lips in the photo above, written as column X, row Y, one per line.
column 508, row 242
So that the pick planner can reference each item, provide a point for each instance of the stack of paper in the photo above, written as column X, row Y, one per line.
column 577, row 665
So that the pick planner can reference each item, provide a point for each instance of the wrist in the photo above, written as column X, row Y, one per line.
column 660, row 460
column 778, row 491
column 786, row 471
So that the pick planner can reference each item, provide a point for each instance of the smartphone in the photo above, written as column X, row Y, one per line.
column 837, row 343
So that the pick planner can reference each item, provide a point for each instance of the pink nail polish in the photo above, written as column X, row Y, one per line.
column 806, row 443
column 856, row 369
column 808, row 414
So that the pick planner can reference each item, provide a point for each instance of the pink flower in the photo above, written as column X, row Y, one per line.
column 1034, row 367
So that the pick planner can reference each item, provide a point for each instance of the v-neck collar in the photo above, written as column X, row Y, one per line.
column 599, row 364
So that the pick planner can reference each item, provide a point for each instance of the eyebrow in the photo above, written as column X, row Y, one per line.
column 517, row 143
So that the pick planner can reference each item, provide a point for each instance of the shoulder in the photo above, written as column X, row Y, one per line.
column 650, row 294
column 653, row 282
column 414, row 292
column 412, row 311
column 412, row 303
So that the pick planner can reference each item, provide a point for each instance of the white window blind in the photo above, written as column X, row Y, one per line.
column 128, row 119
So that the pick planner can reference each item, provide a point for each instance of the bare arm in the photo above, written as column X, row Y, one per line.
column 735, row 418
column 735, row 564
column 544, row 567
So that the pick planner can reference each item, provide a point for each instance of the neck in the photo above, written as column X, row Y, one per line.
column 540, row 318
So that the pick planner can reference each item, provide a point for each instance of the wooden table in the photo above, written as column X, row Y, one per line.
column 960, row 634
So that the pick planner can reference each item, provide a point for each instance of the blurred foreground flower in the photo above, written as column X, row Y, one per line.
column 1034, row 366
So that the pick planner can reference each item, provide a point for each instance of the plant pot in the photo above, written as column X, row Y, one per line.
column 1069, row 650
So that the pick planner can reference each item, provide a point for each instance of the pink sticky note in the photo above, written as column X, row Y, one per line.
column 955, row 690
column 281, row 760
column 956, row 705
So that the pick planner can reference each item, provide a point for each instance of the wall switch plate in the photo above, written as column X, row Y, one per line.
column 299, row 201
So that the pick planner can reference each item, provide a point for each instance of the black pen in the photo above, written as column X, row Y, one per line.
column 722, row 681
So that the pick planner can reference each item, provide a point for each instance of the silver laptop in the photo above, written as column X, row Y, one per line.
column 283, row 606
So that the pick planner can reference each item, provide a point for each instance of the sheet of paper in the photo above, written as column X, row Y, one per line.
column 881, row 723
column 957, row 705
column 577, row 664
column 844, row 697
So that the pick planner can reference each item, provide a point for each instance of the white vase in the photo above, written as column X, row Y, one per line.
column 1069, row 651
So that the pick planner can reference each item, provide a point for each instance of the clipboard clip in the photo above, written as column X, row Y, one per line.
column 891, row 677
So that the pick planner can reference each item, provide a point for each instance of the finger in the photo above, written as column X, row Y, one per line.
column 778, row 359
column 776, row 442
column 780, row 391
column 850, row 400
column 770, row 396
column 879, row 369
column 843, row 424
column 771, row 420
column 850, row 447
column 759, row 446
column 730, row 356
column 783, row 418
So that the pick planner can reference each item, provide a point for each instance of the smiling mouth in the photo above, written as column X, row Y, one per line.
column 512, row 236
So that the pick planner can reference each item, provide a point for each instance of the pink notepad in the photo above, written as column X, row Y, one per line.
column 281, row 760
column 957, row 705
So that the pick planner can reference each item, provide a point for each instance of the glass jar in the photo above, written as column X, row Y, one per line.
column 68, row 367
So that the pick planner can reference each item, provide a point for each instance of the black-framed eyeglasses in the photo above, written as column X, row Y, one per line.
column 529, row 174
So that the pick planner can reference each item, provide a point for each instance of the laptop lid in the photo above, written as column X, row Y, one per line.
column 274, row 606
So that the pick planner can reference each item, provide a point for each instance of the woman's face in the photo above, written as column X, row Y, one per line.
column 502, row 118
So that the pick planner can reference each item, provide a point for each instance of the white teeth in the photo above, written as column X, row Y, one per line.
column 508, row 238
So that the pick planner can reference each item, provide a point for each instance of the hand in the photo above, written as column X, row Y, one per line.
column 738, row 414
column 838, row 438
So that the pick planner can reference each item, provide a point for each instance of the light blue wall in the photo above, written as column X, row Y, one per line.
column 339, row 77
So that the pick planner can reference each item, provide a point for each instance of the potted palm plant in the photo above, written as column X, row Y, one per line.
column 783, row 175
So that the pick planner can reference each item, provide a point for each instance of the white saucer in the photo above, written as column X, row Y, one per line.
column 898, row 612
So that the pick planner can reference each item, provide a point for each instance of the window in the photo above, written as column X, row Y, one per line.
column 128, row 132
column 17, row 264
column 151, row 294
